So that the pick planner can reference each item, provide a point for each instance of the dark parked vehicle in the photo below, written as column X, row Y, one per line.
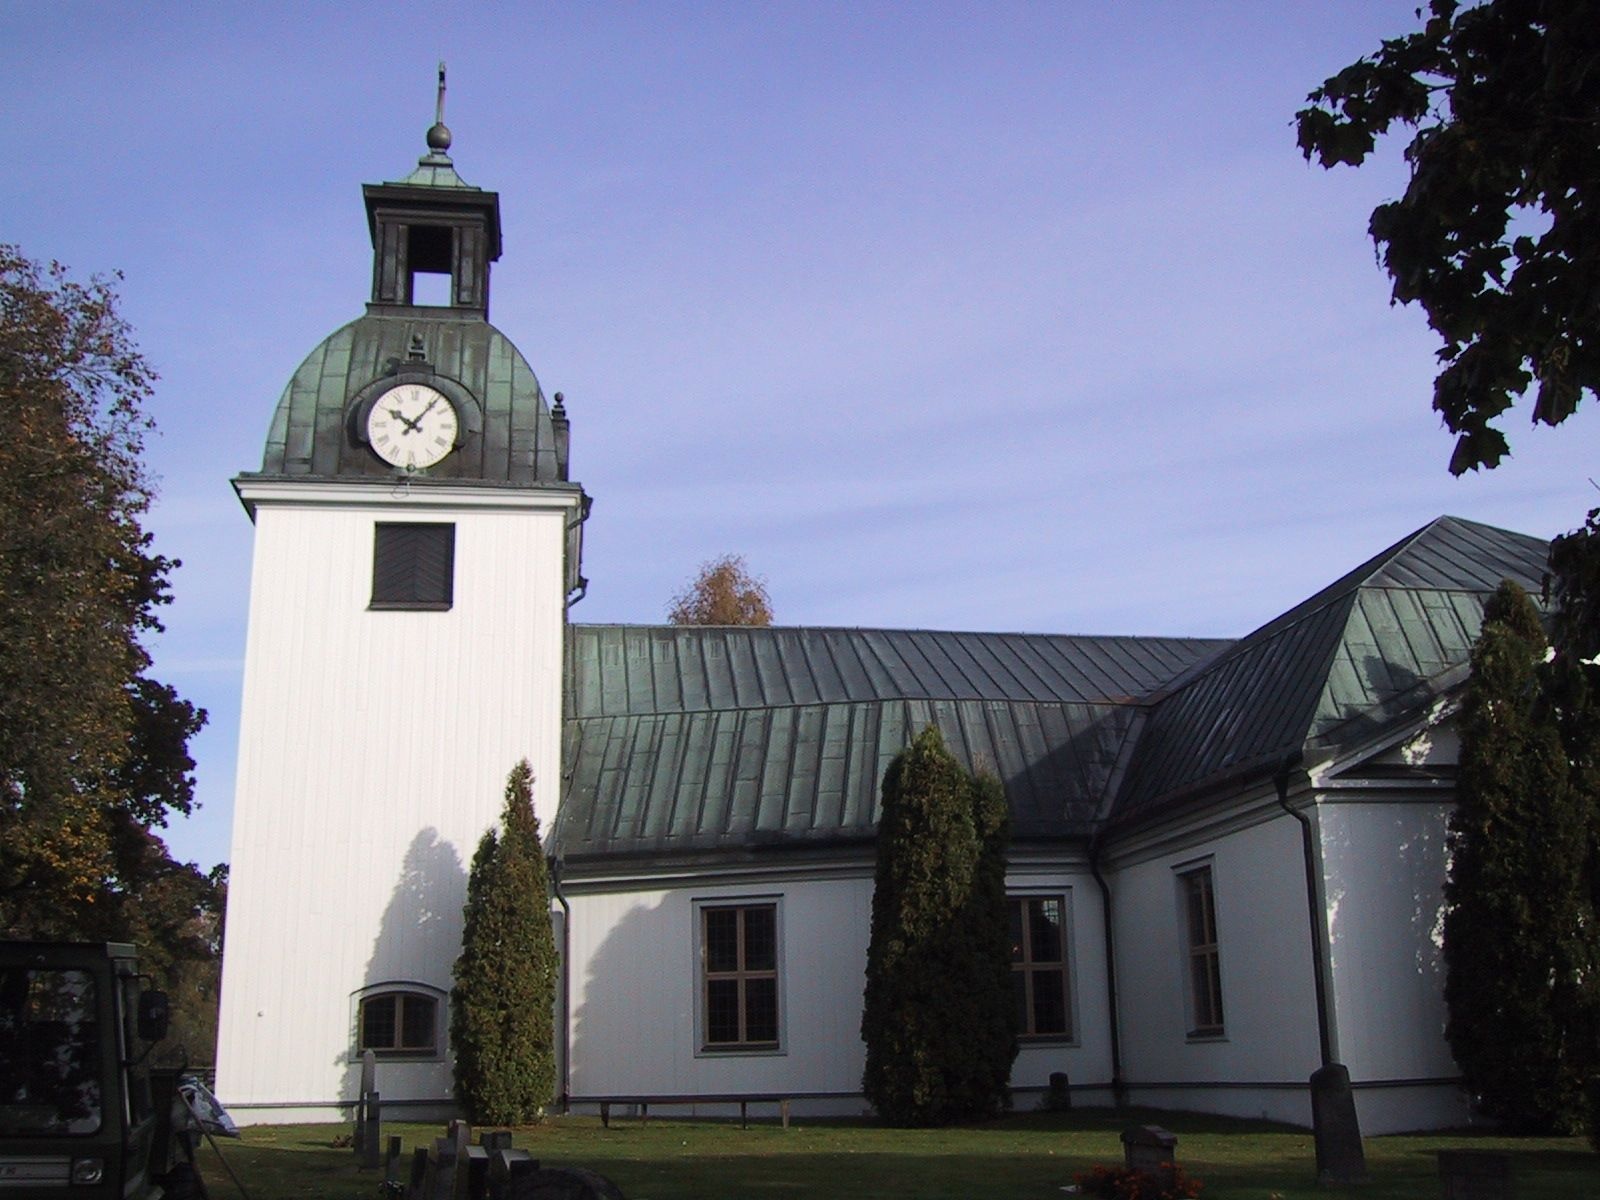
column 82, row 1115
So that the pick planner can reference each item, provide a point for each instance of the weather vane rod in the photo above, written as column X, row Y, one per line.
column 438, row 111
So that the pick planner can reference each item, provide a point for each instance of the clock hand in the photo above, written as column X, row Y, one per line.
column 425, row 411
column 411, row 426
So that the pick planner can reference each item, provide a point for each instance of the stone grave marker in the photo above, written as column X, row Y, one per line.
column 1148, row 1148
column 1341, row 1159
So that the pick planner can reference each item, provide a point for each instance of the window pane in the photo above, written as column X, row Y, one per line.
column 1049, row 1002
column 722, row 939
column 1191, row 894
column 1045, row 930
column 1019, row 1000
column 760, row 939
column 722, row 1010
column 1207, row 996
column 50, row 1052
column 761, row 1010
column 1016, row 931
column 378, row 1023
column 417, row 1031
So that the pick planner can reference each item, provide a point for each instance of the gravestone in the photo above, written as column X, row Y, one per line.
column 1148, row 1148
column 367, row 1136
column 391, row 1166
column 477, row 1173
column 1059, row 1097
column 1475, row 1174
column 1341, row 1159
column 506, row 1166
column 417, row 1185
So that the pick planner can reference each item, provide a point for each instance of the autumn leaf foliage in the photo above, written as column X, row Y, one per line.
column 723, row 593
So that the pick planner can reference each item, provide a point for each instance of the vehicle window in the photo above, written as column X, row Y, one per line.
column 50, row 1052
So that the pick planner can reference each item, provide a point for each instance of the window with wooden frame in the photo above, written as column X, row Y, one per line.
column 399, row 1024
column 739, row 976
column 1204, row 961
column 413, row 565
column 1039, row 992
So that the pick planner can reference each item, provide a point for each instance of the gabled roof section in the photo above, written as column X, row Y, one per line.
column 691, row 739
column 683, row 668
column 1360, row 656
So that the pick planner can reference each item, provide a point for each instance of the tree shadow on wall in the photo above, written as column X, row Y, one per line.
column 632, row 1023
column 418, row 940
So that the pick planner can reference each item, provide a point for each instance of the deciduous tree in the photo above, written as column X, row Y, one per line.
column 93, row 752
column 502, row 1008
column 723, row 593
column 937, row 1020
column 1498, row 233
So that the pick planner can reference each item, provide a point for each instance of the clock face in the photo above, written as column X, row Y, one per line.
column 412, row 426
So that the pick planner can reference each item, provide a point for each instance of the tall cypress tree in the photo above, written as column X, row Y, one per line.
column 937, row 1019
column 1574, row 693
column 502, row 1008
column 1516, row 904
column 991, row 1035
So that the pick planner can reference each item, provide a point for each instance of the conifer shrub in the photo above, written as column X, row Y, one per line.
column 502, row 1007
column 1518, row 930
column 938, row 1020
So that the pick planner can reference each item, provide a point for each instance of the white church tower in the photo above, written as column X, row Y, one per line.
column 416, row 544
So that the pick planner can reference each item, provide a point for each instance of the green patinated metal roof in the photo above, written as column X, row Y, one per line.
column 685, row 739
column 515, row 443
column 693, row 740
column 1363, row 655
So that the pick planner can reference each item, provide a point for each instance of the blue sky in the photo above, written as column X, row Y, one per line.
column 971, row 316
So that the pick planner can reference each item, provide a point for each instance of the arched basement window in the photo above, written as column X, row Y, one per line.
column 399, row 1022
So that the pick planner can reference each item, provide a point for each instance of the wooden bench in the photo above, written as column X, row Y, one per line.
column 744, row 1102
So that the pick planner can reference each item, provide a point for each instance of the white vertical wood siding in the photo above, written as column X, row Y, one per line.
column 1268, row 989
column 374, row 748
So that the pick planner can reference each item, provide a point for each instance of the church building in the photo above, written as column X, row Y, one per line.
column 1227, row 855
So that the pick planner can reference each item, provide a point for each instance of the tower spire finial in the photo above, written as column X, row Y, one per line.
column 439, row 135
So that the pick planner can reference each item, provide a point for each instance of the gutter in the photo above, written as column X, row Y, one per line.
column 1322, row 967
column 553, row 864
column 1118, row 1089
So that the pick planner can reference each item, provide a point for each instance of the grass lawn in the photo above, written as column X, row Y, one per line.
column 1023, row 1157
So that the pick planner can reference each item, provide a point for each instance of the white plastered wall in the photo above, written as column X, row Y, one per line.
column 634, row 983
column 374, row 748
column 1384, row 864
column 1269, row 1048
column 1086, row 1058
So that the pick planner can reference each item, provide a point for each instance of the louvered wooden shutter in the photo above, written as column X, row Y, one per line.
column 413, row 566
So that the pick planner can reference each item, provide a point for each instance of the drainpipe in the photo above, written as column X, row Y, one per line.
column 1320, row 954
column 1118, row 1089
column 554, row 863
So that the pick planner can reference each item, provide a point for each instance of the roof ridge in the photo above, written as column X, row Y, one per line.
column 893, row 629
column 1342, row 587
